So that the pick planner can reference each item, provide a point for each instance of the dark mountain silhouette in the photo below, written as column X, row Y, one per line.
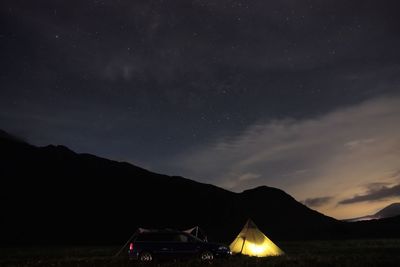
column 391, row 210
column 375, row 228
column 52, row 195
column 6, row 136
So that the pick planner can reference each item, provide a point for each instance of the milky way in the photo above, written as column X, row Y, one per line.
column 162, row 83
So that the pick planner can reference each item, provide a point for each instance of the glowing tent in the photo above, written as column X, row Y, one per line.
column 251, row 241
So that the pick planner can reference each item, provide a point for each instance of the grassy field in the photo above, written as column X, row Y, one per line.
column 350, row 253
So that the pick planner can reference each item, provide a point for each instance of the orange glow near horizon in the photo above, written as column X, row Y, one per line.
column 357, row 183
column 355, row 210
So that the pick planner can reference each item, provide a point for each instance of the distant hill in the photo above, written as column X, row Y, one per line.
column 391, row 210
column 6, row 136
column 376, row 228
column 52, row 195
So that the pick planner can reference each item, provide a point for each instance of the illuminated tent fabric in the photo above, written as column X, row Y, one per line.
column 251, row 241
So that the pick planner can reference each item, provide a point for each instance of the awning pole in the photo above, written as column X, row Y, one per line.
column 244, row 240
column 129, row 240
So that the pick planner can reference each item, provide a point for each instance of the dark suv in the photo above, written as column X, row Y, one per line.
column 147, row 246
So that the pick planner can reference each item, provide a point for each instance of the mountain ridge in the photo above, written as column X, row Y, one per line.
column 391, row 210
column 122, row 196
column 52, row 195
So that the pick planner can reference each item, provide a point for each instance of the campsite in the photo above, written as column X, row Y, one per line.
column 366, row 252
column 179, row 133
column 355, row 253
column 312, row 239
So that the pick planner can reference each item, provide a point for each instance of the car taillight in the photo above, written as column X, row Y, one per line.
column 131, row 246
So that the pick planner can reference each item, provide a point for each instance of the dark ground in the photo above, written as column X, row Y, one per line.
column 378, row 252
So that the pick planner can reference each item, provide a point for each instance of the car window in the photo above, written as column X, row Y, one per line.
column 193, row 239
column 165, row 237
column 156, row 237
column 181, row 238
column 145, row 237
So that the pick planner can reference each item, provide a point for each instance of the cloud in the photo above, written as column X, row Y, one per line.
column 316, row 202
column 248, row 176
column 241, row 179
column 330, row 154
column 375, row 193
column 357, row 143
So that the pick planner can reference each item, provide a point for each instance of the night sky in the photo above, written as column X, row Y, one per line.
column 299, row 95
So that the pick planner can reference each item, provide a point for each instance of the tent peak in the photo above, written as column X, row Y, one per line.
column 250, row 224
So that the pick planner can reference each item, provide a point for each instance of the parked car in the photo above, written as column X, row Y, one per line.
column 163, row 244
